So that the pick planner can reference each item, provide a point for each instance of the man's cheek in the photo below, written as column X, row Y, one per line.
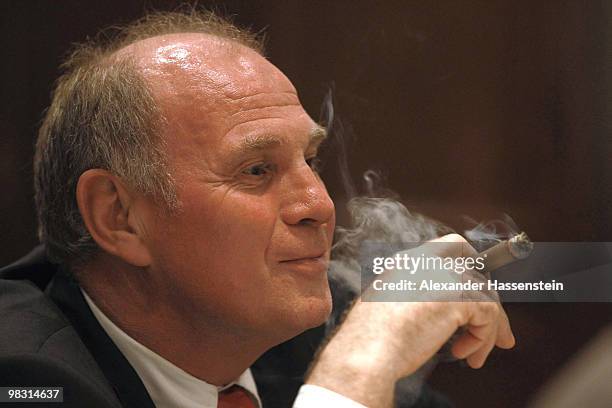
column 253, row 215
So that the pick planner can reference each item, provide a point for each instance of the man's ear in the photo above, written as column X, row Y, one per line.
column 108, row 211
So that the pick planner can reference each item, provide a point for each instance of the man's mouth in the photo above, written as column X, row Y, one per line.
column 310, row 264
column 310, row 257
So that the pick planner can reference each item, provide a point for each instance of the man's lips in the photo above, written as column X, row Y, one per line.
column 309, row 265
column 317, row 257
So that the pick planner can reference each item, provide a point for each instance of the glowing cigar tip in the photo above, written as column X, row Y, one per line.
column 520, row 246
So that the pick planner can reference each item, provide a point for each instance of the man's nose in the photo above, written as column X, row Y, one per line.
column 306, row 200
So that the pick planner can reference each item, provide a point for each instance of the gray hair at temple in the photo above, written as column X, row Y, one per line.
column 103, row 115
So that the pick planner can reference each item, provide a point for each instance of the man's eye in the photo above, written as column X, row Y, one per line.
column 257, row 170
column 314, row 163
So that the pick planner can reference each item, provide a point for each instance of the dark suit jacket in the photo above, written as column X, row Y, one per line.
column 49, row 337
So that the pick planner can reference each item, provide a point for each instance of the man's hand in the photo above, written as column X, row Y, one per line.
column 381, row 342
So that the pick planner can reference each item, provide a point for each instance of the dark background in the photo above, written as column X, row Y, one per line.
column 469, row 107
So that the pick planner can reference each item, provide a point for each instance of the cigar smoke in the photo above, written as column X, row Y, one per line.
column 378, row 215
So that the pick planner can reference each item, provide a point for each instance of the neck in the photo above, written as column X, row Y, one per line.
column 202, row 347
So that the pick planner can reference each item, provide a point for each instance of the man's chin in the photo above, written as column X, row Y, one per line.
column 320, row 312
column 313, row 312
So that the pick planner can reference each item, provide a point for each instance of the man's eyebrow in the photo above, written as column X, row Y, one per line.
column 261, row 142
column 258, row 142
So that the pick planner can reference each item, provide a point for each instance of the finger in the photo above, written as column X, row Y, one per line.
column 466, row 345
column 477, row 359
column 474, row 338
column 483, row 315
column 505, row 337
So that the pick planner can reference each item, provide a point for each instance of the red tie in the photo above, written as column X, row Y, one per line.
column 236, row 397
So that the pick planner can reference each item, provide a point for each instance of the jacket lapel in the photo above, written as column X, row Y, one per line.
column 130, row 390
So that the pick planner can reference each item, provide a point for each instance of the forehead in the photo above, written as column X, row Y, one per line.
column 205, row 67
column 208, row 87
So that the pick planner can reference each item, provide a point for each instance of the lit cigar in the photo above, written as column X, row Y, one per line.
column 516, row 248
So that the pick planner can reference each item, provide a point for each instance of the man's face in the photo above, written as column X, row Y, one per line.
column 249, row 249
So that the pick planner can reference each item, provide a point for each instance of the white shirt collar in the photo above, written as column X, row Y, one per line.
column 168, row 385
